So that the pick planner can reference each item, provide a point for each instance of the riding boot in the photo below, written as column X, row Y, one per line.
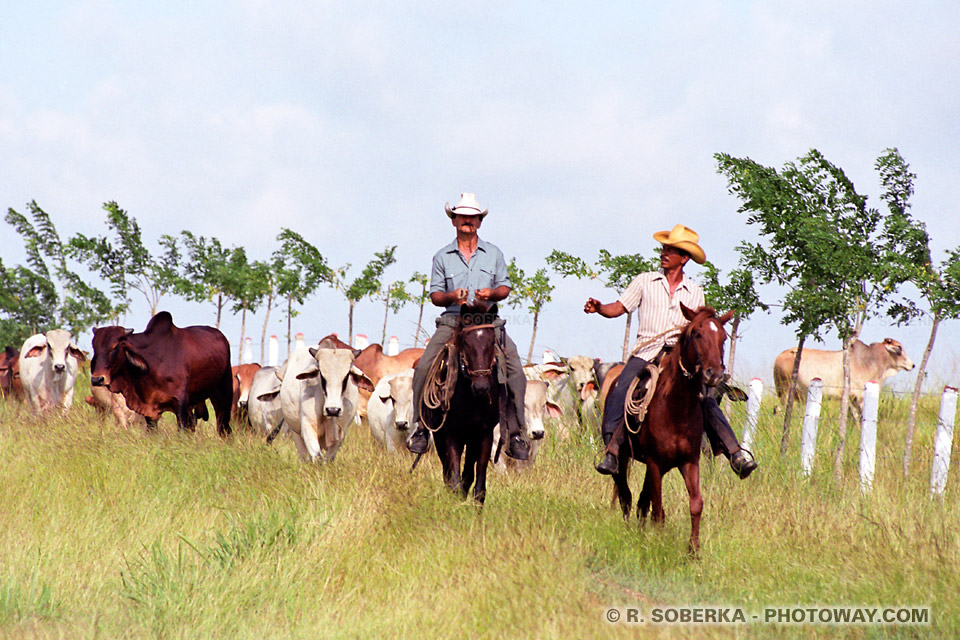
column 516, row 388
column 723, row 440
column 419, row 440
column 612, row 428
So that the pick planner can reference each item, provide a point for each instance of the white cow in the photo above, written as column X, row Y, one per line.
column 48, row 369
column 535, row 406
column 263, row 402
column 318, row 396
column 390, row 410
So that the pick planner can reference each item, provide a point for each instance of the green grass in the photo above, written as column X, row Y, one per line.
column 109, row 533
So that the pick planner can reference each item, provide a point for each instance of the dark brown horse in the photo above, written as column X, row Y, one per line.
column 466, row 432
column 670, row 435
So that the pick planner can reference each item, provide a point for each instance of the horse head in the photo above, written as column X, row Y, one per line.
column 478, row 356
column 701, row 344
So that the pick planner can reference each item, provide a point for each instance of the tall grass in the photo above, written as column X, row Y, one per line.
column 107, row 533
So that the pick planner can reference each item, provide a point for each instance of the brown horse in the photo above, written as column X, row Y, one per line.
column 670, row 435
column 474, row 409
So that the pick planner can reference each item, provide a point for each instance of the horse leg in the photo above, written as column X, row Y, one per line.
column 643, row 503
column 486, row 446
column 655, row 477
column 469, row 468
column 451, row 464
column 691, row 478
column 622, row 488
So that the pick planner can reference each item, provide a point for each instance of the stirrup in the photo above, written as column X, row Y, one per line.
column 419, row 441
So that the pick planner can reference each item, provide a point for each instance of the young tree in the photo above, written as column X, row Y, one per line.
column 941, row 289
column 618, row 272
column 366, row 285
column 28, row 304
column 300, row 269
column 737, row 294
column 126, row 263
column 535, row 290
column 245, row 284
column 395, row 296
column 420, row 298
column 76, row 305
column 204, row 274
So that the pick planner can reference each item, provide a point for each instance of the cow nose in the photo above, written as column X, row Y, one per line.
column 59, row 368
column 537, row 435
column 96, row 381
column 333, row 412
column 401, row 424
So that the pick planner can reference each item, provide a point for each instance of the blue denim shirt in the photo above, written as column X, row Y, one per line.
column 486, row 270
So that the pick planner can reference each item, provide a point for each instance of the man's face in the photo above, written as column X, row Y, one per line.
column 466, row 224
column 671, row 257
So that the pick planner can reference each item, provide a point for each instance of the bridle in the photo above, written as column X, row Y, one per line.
column 696, row 370
column 463, row 358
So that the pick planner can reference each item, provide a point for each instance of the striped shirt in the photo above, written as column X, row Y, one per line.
column 659, row 311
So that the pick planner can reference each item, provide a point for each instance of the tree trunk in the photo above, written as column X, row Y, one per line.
column 533, row 337
column 844, row 408
column 733, row 352
column 350, row 323
column 916, row 396
column 423, row 298
column 266, row 321
column 386, row 312
column 243, row 328
column 626, row 338
column 791, row 390
column 219, row 308
column 289, row 309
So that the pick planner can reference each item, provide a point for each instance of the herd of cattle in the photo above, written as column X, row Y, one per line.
column 320, row 391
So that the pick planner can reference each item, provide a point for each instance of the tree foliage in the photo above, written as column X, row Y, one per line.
column 534, row 291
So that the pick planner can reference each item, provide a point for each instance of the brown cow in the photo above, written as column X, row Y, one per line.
column 166, row 368
column 376, row 364
column 10, row 385
column 875, row 362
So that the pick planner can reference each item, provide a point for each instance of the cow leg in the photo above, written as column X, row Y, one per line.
column 691, row 478
column 185, row 418
column 308, row 432
column 222, row 401
column 301, row 447
column 151, row 424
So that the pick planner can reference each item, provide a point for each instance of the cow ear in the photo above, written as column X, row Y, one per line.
column 356, row 352
column 588, row 389
column 313, row 352
column 725, row 318
column 264, row 397
column 78, row 354
column 361, row 379
column 307, row 374
column 36, row 351
column 554, row 410
column 136, row 361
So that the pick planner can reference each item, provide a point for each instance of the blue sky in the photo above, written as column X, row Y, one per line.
column 581, row 129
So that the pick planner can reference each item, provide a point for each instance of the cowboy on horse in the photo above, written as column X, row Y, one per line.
column 657, row 297
column 470, row 273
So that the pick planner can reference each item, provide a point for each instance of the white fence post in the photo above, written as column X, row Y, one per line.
column 811, row 418
column 754, row 397
column 868, row 435
column 943, row 442
column 247, row 355
column 273, row 351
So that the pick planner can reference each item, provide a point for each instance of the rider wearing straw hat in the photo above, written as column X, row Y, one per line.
column 657, row 297
column 469, row 268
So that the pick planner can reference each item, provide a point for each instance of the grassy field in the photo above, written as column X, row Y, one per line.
column 116, row 534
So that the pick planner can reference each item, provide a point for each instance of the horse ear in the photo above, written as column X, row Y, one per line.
column 725, row 318
column 688, row 313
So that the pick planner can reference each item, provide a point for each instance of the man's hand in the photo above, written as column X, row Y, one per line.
column 484, row 294
column 460, row 296
column 592, row 305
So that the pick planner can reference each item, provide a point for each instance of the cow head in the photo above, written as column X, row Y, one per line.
column 336, row 374
column 396, row 393
column 9, row 368
column 534, row 407
column 56, row 348
column 111, row 355
column 898, row 357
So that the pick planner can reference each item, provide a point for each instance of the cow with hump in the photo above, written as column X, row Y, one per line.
column 166, row 368
column 10, row 385
column 318, row 396
column 48, row 369
column 875, row 363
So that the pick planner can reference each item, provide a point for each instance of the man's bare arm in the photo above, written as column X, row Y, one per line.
column 609, row 310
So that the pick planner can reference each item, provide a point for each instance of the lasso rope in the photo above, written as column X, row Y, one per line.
column 639, row 407
column 435, row 391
